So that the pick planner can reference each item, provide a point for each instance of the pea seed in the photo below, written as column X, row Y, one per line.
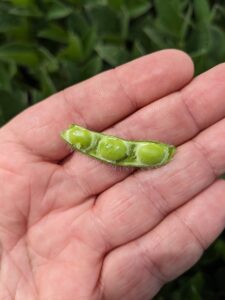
column 151, row 154
column 112, row 149
column 79, row 137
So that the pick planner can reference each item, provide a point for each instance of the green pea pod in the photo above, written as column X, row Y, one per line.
column 117, row 151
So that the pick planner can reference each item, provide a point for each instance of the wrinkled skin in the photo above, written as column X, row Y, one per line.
column 73, row 228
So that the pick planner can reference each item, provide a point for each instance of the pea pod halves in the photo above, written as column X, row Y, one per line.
column 117, row 151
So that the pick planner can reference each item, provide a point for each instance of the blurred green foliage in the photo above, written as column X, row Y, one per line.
column 47, row 45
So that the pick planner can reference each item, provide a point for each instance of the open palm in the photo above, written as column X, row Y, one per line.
column 73, row 228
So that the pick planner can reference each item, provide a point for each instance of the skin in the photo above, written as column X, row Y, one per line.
column 74, row 228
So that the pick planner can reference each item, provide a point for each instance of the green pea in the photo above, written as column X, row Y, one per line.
column 151, row 153
column 79, row 137
column 117, row 151
column 112, row 149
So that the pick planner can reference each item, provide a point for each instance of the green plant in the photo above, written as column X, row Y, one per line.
column 47, row 45
column 118, row 151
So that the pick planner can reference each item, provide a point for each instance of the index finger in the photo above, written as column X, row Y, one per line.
column 101, row 101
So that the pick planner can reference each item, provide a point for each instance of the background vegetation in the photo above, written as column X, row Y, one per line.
column 46, row 45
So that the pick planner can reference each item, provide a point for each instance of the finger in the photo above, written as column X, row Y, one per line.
column 101, row 101
column 143, row 199
column 204, row 97
column 144, row 265
column 211, row 143
column 178, row 117
column 173, row 119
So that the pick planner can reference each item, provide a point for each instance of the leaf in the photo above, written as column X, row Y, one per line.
column 36, row 96
column 5, row 82
column 54, row 32
column 78, row 23
column 74, row 49
column 26, row 11
column 111, row 54
column 89, row 42
column 49, row 62
column 217, row 45
column 11, row 104
column 12, row 69
column 169, row 16
column 186, row 22
column 70, row 74
column 20, row 33
column 197, row 283
column 138, row 8
column 134, row 8
column 200, row 39
column 47, row 85
column 106, row 21
column 124, row 23
column 219, row 249
column 202, row 11
column 116, row 4
column 58, row 10
column 91, row 68
column 23, row 3
column 155, row 37
column 138, row 50
column 8, row 21
column 24, row 55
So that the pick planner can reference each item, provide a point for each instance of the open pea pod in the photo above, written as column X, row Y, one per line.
column 117, row 151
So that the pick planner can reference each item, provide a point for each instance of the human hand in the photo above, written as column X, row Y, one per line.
column 73, row 228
